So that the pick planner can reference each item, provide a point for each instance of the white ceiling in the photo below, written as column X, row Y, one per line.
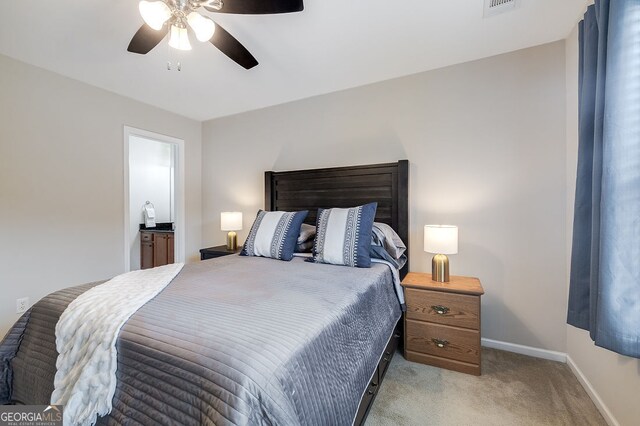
column 332, row 45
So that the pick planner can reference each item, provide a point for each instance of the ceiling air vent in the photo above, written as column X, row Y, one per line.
column 494, row 7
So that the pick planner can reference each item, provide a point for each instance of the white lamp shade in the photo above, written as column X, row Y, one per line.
column 202, row 26
column 154, row 13
column 231, row 221
column 441, row 239
column 179, row 38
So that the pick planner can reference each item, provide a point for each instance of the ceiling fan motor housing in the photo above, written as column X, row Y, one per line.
column 179, row 15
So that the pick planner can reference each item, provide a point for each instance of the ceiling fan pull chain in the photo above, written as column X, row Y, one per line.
column 168, row 59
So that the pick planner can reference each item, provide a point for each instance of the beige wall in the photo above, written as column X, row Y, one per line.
column 486, row 142
column 614, row 378
column 61, row 181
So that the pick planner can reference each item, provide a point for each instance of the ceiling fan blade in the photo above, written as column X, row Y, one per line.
column 259, row 7
column 146, row 38
column 232, row 48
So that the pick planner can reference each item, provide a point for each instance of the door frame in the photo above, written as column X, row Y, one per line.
column 179, row 192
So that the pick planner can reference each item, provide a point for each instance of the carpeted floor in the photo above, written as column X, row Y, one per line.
column 513, row 390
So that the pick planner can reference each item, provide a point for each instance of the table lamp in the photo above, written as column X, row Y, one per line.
column 440, row 240
column 231, row 221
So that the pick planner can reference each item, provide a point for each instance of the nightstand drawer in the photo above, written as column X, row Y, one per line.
column 460, row 310
column 443, row 341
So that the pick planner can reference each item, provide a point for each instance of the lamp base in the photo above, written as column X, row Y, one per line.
column 440, row 268
column 232, row 241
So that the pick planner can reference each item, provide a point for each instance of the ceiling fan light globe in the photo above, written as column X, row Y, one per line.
column 202, row 26
column 154, row 13
column 179, row 38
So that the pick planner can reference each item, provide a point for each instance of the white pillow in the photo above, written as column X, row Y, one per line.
column 307, row 232
column 391, row 241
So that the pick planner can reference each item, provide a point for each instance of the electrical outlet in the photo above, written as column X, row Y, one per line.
column 22, row 305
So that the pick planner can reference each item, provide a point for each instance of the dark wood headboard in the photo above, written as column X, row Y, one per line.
column 387, row 184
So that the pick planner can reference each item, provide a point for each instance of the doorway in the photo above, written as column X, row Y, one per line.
column 154, row 192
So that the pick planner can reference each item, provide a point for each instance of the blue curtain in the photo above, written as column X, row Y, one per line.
column 604, row 295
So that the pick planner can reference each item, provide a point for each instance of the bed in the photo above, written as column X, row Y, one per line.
column 245, row 340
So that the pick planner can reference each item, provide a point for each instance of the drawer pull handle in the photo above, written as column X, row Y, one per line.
column 370, row 392
column 440, row 343
column 440, row 310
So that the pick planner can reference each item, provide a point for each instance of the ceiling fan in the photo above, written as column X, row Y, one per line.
column 175, row 17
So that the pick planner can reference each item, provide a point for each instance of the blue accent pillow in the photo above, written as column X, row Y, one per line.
column 274, row 234
column 343, row 236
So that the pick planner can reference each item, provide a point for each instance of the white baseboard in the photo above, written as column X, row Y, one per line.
column 525, row 350
column 599, row 403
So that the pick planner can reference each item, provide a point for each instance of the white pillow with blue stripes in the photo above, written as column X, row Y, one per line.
column 274, row 234
column 343, row 236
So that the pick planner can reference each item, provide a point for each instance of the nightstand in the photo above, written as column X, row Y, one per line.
column 217, row 251
column 442, row 322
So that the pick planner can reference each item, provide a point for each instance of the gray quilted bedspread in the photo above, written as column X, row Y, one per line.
column 233, row 340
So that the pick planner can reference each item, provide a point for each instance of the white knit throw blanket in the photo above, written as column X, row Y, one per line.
column 86, row 335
